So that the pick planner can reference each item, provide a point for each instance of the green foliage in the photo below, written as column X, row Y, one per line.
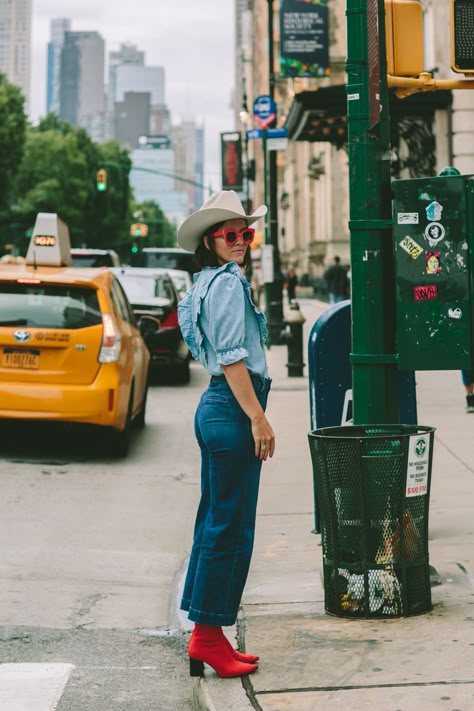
column 12, row 137
column 57, row 173
column 161, row 232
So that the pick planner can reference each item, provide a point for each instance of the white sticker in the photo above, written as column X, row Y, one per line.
column 353, row 97
column 407, row 218
column 418, row 465
column 434, row 233
column 455, row 313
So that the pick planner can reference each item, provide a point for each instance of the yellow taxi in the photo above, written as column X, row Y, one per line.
column 70, row 347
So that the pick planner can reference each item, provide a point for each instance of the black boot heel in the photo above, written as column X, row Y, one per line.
column 196, row 668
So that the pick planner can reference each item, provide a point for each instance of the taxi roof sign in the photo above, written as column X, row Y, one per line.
column 50, row 245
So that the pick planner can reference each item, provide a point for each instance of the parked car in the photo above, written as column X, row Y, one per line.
column 85, row 257
column 70, row 346
column 152, row 293
column 181, row 279
column 168, row 258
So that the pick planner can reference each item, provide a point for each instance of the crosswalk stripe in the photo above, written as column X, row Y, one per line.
column 32, row 687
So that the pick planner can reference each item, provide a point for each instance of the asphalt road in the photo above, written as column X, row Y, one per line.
column 92, row 554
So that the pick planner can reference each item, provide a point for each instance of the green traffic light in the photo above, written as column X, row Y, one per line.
column 101, row 187
column 134, row 249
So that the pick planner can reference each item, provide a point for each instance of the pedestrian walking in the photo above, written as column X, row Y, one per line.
column 468, row 382
column 337, row 282
column 291, row 284
column 226, row 332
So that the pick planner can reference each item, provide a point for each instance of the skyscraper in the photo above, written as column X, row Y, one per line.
column 127, row 54
column 15, row 43
column 81, row 96
column 136, row 78
column 59, row 28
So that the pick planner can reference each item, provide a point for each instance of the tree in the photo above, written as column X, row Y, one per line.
column 53, row 177
column 58, row 174
column 12, row 137
column 161, row 232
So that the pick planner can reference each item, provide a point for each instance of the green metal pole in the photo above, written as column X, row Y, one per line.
column 274, row 290
column 374, row 361
column 265, row 183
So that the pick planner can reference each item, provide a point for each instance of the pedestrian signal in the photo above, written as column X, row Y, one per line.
column 404, row 37
column 462, row 36
column 101, row 180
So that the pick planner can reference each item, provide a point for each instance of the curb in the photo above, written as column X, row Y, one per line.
column 216, row 694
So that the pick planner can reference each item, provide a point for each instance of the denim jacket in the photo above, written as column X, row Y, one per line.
column 220, row 323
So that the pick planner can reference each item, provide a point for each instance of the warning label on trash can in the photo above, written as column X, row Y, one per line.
column 418, row 466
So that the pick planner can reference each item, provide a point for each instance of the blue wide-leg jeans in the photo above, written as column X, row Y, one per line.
column 225, row 522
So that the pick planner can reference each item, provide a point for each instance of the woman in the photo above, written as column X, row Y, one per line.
column 226, row 333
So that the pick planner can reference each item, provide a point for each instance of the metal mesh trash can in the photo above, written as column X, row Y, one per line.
column 373, row 485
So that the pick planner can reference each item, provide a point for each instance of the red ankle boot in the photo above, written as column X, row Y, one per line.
column 207, row 645
column 246, row 658
column 239, row 656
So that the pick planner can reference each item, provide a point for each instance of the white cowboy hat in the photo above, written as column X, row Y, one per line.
column 220, row 207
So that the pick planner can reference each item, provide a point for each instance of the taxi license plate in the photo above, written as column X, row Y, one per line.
column 21, row 358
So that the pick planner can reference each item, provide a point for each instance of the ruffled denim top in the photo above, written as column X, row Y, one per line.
column 221, row 324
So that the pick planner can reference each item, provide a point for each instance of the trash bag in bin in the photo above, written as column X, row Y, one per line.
column 373, row 485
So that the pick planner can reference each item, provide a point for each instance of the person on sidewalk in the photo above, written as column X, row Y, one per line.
column 337, row 282
column 226, row 332
column 468, row 382
column 291, row 284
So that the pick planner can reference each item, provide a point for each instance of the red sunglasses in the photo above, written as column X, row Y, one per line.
column 231, row 236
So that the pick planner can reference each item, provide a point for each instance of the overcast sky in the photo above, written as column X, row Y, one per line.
column 192, row 39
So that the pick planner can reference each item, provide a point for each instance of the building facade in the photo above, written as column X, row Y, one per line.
column 132, row 118
column 153, row 177
column 15, row 44
column 58, row 29
column 127, row 54
column 130, row 77
column 82, row 97
column 428, row 131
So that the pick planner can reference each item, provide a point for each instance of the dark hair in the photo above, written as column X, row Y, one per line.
column 207, row 257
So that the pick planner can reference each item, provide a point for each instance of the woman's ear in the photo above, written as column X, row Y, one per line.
column 206, row 243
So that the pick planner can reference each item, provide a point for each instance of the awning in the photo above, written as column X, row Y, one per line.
column 321, row 115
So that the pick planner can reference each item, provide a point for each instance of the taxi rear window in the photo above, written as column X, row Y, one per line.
column 48, row 306
column 92, row 260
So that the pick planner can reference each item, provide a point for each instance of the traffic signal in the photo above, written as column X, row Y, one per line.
column 134, row 248
column 404, row 37
column 139, row 230
column 462, row 36
column 101, row 180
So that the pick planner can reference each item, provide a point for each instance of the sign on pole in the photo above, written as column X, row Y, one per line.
column 264, row 110
column 304, row 38
column 231, row 161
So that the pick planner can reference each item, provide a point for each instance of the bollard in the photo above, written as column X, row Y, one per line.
column 293, row 337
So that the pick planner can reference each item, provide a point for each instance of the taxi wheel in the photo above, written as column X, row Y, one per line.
column 139, row 420
column 120, row 439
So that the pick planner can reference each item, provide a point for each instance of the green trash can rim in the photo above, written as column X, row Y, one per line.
column 390, row 431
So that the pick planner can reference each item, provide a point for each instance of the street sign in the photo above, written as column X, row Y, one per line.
column 271, row 133
column 277, row 144
column 264, row 110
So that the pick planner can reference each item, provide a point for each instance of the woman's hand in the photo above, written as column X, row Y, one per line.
column 263, row 436
column 239, row 382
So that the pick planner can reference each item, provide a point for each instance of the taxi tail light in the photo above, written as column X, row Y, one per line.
column 171, row 321
column 111, row 341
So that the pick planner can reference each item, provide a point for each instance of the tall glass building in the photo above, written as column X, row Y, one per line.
column 15, row 43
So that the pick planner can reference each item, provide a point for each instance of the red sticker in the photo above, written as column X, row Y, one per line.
column 425, row 293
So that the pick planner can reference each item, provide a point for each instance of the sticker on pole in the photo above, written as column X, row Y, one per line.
column 418, row 466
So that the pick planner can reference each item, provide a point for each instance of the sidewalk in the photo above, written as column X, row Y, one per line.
column 310, row 661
